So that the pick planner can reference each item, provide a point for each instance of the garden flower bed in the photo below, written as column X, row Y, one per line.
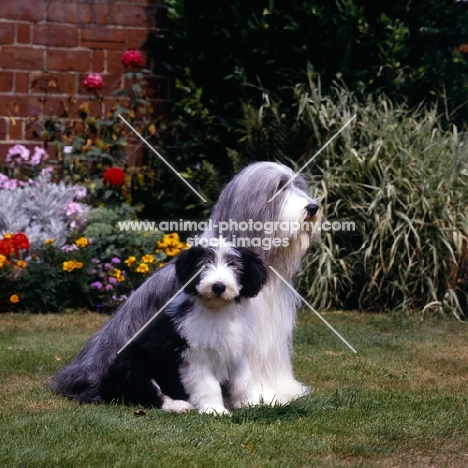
column 60, row 246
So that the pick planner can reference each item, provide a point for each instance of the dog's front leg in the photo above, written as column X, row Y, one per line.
column 241, row 385
column 202, row 386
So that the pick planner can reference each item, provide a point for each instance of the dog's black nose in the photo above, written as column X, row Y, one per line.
column 218, row 288
column 311, row 209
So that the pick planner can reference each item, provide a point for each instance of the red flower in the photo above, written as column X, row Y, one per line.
column 13, row 243
column 132, row 58
column 93, row 82
column 114, row 176
column 6, row 247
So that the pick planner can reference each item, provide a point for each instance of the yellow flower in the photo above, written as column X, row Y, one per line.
column 71, row 265
column 169, row 240
column 174, row 237
column 115, row 272
column 148, row 258
column 21, row 263
column 3, row 260
column 82, row 242
column 120, row 278
column 14, row 299
column 171, row 251
column 142, row 268
column 130, row 260
column 49, row 241
column 8, row 236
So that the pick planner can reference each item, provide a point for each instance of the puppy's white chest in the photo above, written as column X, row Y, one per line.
column 224, row 333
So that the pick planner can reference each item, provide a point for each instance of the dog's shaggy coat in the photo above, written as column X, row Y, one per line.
column 245, row 198
column 200, row 343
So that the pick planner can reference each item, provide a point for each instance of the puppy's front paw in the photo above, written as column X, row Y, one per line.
column 177, row 406
column 214, row 410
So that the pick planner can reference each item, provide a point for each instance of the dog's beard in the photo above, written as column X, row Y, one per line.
column 214, row 302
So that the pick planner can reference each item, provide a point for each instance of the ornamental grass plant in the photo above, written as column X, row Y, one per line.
column 402, row 180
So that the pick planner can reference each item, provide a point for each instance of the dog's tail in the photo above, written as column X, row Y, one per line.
column 77, row 382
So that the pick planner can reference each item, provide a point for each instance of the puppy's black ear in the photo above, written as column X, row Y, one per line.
column 254, row 273
column 187, row 263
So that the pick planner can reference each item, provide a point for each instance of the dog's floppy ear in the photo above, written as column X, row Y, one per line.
column 254, row 273
column 187, row 263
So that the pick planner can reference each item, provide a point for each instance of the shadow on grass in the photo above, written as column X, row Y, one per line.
column 304, row 407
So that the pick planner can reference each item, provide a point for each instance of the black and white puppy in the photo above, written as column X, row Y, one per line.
column 200, row 344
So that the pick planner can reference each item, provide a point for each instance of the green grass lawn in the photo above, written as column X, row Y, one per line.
column 401, row 401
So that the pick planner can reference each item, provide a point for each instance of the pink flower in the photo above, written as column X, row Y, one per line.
column 93, row 82
column 7, row 184
column 69, row 248
column 72, row 208
column 39, row 155
column 17, row 153
column 132, row 58
column 80, row 192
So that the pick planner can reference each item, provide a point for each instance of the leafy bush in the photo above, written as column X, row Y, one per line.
column 402, row 180
column 95, row 273
column 228, row 54
column 110, row 241
column 41, row 209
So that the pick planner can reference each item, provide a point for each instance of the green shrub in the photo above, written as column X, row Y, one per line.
column 402, row 179
column 226, row 54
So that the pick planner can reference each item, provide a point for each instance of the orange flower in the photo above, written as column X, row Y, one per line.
column 14, row 299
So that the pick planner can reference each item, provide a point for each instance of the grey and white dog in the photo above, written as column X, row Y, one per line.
column 279, row 231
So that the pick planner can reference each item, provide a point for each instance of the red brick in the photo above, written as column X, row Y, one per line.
column 28, row 10
column 4, row 147
column 61, row 12
column 21, row 82
column 103, row 38
column 33, row 129
column 22, row 58
column 6, row 81
column 114, row 65
column 3, row 128
column 101, row 13
column 132, row 15
column 7, row 33
column 23, row 34
column 136, row 38
column 19, row 106
column 16, row 130
column 68, row 60
column 55, row 106
column 54, row 35
column 98, row 61
column 53, row 83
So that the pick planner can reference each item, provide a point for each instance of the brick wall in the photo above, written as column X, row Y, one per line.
column 51, row 45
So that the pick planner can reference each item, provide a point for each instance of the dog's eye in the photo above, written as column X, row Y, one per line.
column 232, row 263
